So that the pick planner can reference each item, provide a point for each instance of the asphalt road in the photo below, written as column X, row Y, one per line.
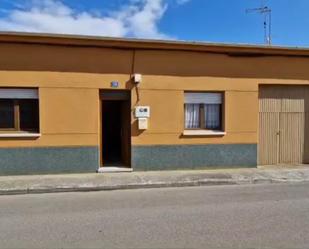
column 253, row 216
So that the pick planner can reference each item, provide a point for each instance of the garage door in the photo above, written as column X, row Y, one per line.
column 283, row 116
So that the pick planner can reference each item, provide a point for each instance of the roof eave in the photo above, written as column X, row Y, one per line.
column 129, row 43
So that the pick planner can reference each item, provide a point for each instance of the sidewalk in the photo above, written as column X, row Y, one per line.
column 155, row 179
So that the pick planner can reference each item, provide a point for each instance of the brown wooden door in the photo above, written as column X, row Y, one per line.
column 269, row 138
column 126, row 133
column 282, row 124
column 291, row 138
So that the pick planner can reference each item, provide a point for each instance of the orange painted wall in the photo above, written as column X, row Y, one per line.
column 69, row 79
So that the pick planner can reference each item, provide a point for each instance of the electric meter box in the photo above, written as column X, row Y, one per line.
column 142, row 112
column 143, row 123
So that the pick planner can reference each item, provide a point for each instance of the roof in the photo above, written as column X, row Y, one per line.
column 129, row 43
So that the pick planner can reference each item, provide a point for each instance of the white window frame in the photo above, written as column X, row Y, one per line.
column 17, row 94
column 202, row 98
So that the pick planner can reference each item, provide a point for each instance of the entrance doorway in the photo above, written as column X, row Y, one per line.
column 283, row 125
column 116, row 129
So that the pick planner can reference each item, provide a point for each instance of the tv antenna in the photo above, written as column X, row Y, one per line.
column 266, row 12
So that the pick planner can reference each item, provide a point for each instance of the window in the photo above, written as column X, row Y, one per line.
column 6, row 113
column 19, row 110
column 203, row 111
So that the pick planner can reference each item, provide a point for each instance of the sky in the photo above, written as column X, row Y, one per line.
column 222, row 21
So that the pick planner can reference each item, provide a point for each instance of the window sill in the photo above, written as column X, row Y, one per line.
column 20, row 135
column 203, row 133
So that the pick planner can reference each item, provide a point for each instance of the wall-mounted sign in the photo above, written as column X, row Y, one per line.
column 142, row 112
column 114, row 84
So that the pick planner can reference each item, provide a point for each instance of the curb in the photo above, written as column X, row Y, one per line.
column 204, row 182
column 116, row 187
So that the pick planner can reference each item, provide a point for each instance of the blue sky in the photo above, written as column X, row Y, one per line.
column 199, row 20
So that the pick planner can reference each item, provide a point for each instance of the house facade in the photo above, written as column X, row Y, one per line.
column 71, row 104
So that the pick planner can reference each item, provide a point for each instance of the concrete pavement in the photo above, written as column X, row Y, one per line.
column 239, row 216
column 114, row 181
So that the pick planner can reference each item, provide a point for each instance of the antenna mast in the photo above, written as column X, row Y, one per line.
column 266, row 12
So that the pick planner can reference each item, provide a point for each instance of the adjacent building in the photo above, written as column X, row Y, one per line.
column 71, row 104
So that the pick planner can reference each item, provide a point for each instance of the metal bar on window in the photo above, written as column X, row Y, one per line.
column 202, row 116
column 16, row 115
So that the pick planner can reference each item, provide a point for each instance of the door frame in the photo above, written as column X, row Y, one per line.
column 277, row 94
column 114, row 95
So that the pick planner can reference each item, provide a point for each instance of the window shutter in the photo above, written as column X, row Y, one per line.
column 203, row 98
column 18, row 93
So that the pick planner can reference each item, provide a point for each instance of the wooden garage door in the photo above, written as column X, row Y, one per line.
column 282, row 125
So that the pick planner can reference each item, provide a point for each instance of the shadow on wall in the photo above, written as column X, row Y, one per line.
column 135, row 132
column 53, row 58
column 57, row 58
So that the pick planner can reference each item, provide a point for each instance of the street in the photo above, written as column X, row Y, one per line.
column 247, row 216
